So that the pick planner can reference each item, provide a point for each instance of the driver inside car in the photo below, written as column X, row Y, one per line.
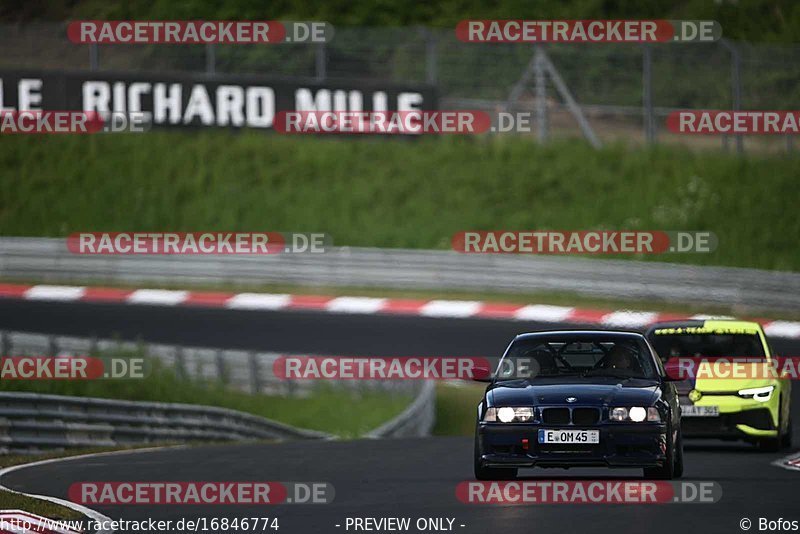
column 620, row 357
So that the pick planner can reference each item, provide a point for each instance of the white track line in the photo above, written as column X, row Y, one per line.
column 356, row 305
column 543, row 312
column 629, row 319
column 790, row 463
column 94, row 515
column 258, row 301
column 45, row 292
column 450, row 308
column 163, row 297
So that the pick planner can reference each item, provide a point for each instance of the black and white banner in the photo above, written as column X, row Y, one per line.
column 193, row 100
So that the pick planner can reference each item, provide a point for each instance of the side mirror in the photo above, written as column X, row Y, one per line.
column 675, row 372
column 481, row 373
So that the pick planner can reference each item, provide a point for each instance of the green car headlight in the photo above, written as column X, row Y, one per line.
column 760, row 394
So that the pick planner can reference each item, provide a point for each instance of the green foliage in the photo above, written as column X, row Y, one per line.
column 751, row 20
column 396, row 192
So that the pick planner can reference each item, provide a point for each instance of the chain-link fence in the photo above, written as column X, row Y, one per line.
column 625, row 90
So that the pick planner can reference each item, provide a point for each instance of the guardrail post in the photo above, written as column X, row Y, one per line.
column 255, row 379
column 5, row 343
column 180, row 364
column 222, row 370
column 52, row 346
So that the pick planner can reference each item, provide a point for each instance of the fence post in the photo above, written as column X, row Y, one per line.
column 736, row 80
column 736, row 88
column 211, row 59
column 540, row 79
column 431, row 63
column 647, row 94
column 94, row 57
column 321, row 62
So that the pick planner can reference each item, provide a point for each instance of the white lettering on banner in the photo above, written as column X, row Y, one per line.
column 207, row 104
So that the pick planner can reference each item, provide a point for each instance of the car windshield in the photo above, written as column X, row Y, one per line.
column 695, row 345
column 531, row 359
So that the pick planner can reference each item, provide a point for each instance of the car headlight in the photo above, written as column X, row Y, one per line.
column 619, row 414
column 637, row 414
column 760, row 394
column 507, row 414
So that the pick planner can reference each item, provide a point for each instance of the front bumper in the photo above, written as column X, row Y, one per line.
column 621, row 445
column 738, row 418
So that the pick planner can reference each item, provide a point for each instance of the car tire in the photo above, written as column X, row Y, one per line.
column 491, row 473
column 774, row 444
column 666, row 471
column 786, row 441
column 677, row 471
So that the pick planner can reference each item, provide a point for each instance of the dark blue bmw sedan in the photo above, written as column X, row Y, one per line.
column 587, row 398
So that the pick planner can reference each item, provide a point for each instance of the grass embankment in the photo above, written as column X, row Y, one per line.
column 345, row 413
column 396, row 193
column 456, row 408
column 14, row 501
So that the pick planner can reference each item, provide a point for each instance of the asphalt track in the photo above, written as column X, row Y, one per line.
column 392, row 478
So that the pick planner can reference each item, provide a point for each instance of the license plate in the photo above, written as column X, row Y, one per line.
column 699, row 411
column 569, row 436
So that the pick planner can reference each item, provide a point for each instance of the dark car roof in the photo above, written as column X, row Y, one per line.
column 581, row 334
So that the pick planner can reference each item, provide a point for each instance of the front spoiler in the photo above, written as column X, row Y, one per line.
column 623, row 445
column 495, row 460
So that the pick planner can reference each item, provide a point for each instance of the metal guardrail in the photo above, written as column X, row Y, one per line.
column 32, row 422
column 416, row 421
column 48, row 259
column 246, row 371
